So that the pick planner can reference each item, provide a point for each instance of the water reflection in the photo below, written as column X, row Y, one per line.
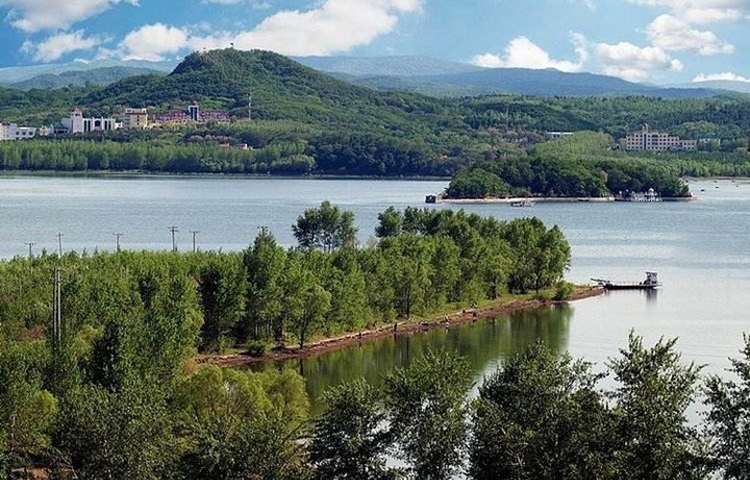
column 485, row 344
column 651, row 297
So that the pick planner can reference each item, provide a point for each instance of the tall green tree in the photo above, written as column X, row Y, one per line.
column 428, row 414
column 127, row 433
column 541, row 416
column 264, row 266
column 351, row 438
column 728, row 418
column 654, row 392
column 326, row 228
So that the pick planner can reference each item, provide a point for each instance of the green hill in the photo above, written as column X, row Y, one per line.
column 281, row 88
column 306, row 121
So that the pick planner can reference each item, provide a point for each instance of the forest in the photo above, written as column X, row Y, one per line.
column 584, row 165
column 305, row 122
column 116, row 392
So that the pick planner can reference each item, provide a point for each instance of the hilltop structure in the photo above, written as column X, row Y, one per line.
column 649, row 141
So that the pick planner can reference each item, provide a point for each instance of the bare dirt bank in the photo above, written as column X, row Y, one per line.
column 401, row 328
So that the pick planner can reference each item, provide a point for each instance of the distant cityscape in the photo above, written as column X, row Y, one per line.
column 131, row 119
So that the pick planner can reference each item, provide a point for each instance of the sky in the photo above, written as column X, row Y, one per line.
column 652, row 41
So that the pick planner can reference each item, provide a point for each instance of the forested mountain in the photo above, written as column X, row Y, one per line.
column 308, row 122
column 98, row 76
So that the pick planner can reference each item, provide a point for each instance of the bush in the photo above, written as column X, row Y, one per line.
column 256, row 349
column 563, row 291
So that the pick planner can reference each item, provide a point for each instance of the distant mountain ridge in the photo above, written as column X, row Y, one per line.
column 11, row 75
column 416, row 74
column 99, row 76
column 439, row 78
column 396, row 66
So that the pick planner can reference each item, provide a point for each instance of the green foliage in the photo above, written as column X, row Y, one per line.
column 540, row 416
column 27, row 410
column 477, row 183
column 427, row 401
column 655, row 390
column 728, row 418
column 239, row 424
column 563, row 291
column 351, row 439
column 326, row 228
column 123, row 433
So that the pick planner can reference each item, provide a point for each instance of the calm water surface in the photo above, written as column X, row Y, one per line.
column 700, row 250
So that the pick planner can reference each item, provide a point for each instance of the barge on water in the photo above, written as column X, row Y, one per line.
column 651, row 283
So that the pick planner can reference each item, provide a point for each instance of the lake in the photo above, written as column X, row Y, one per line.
column 700, row 250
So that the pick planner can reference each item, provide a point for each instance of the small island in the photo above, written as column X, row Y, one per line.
column 562, row 171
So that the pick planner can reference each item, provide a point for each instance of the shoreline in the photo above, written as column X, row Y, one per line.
column 141, row 174
column 408, row 327
column 505, row 201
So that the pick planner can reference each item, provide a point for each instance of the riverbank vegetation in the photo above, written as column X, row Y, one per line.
column 114, row 393
column 584, row 165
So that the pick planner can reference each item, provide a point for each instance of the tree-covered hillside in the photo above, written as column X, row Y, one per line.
column 308, row 122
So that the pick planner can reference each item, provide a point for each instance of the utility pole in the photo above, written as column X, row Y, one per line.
column 195, row 234
column 30, row 245
column 174, row 231
column 117, row 239
column 59, row 243
column 57, row 310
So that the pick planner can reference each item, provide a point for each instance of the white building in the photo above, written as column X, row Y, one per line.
column 11, row 131
column 77, row 123
column 650, row 141
column 557, row 135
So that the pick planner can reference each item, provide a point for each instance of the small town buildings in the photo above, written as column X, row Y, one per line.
column 193, row 115
column 649, row 141
column 11, row 131
column 557, row 135
column 135, row 119
column 77, row 123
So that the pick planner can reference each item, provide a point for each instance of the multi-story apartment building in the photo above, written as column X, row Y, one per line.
column 647, row 140
column 135, row 119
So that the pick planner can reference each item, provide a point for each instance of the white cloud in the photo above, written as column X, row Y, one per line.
column 35, row 15
column 634, row 63
column 254, row 4
column 334, row 26
column 672, row 34
column 721, row 77
column 702, row 11
column 523, row 53
column 58, row 45
column 153, row 42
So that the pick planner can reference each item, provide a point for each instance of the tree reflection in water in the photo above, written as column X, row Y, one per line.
column 484, row 344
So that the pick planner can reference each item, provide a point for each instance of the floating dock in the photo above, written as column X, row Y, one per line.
column 651, row 283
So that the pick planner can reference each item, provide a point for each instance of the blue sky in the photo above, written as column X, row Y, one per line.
column 658, row 41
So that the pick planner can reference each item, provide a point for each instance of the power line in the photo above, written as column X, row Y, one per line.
column 30, row 245
column 174, row 231
column 117, row 240
column 59, row 243
column 195, row 234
